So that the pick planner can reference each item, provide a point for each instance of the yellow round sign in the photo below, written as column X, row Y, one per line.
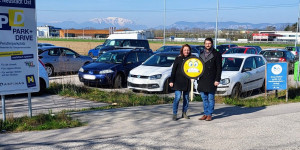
column 193, row 67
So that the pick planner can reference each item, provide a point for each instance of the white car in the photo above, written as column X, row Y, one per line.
column 240, row 73
column 153, row 75
column 44, row 79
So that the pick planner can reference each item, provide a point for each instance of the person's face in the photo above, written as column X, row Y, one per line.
column 207, row 44
column 186, row 51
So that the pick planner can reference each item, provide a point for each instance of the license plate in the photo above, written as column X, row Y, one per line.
column 89, row 77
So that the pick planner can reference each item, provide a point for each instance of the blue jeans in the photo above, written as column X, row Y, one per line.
column 177, row 99
column 208, row 102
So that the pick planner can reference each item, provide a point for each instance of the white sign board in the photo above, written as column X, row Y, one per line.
column 18, row 47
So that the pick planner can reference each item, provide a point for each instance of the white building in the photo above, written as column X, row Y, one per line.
column 286, row 36
column 48, row 31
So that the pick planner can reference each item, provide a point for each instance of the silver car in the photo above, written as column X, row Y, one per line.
column 61, row 59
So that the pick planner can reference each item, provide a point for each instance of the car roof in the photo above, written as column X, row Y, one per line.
column 240, row 55
column 50, row 47
column 240, row 47
column 169, row 53
column 128, row 50
column 274, row 49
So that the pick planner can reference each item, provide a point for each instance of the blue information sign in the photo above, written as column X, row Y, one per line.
column 277, row 76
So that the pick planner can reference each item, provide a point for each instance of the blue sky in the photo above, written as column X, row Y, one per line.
column 151, row 12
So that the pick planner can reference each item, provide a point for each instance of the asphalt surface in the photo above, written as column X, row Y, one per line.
column 151, row 127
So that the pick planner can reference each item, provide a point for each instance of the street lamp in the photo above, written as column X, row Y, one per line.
column 216, row 34
column 164, row 23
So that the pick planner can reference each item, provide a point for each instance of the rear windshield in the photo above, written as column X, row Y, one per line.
column 276, row 54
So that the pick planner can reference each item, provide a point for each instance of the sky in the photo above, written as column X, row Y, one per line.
column 151, row 12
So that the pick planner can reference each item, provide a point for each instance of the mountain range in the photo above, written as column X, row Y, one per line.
column 102, row 23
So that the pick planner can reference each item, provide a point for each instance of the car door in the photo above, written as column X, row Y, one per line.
column 248, row 73
column 260, row 71
column 130, row 62
column 53, row 58
column 71, row 60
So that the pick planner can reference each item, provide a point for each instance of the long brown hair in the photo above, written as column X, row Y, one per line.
column 181, row 50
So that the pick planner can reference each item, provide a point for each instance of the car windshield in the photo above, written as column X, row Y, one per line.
column 231, row 63
column 160, row 60
column 273, row 54
column 112, row 57
column 235, row 50
column 113, row 42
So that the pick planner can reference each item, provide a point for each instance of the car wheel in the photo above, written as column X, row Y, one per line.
column 91, row 54
column 167, row 88
column 236, row 91
column 50, row 70
column 118, row 81
column 42, row 87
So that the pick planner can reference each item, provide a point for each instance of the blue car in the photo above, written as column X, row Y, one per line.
column 95, row 51
column 112, row 68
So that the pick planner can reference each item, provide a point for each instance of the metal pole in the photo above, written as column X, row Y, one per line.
column 3, row 107
column 164, row 23
column 192, row 89
column 29, row 105
column 216, row 34
column 296, row 41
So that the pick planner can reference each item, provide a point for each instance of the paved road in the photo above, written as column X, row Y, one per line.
column 151, row 127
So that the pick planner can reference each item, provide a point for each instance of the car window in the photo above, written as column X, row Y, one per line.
column 54, row 52
column 112, row 57
column 276, row 54
column 235, row 50
column 250, row 63
column 131, row 58
column 142, row 56
column 231, row 64
column 160, row 60
column 67, row 52
column 259, row 61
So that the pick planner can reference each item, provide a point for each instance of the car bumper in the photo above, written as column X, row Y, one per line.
column 144, row 84
column 99, row 79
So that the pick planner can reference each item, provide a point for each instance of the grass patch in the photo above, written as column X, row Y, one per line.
column 119, row 99
column 39, row 122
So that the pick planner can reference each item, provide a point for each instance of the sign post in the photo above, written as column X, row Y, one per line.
column 276, row 77
column 18, row 48
column 192, row 68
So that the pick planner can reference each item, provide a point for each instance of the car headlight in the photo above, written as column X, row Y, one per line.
column 81, row 69
column 225, row 81
column 154, row 77
column 105, row 71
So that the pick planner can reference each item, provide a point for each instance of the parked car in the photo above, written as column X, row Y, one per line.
column 258, row 48
column 95, row 51
column 176, row 48
column 44, row 44
column 245, row 50
column 240, row 73
column 112, row 68
column 153, row 75
column 112, row 44
column 294, row 50
column 280, row 55
column 61, row 59
column 224, row 47
column 44, row 79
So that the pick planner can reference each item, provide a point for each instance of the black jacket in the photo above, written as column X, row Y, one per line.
column 212, row 71
column 180, row 81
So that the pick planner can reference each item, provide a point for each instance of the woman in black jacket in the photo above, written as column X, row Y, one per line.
column 180, row 83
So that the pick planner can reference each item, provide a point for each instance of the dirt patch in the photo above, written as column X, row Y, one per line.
column 83, row 47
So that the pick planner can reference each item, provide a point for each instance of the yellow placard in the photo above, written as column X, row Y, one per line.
column 8, row 54
column 193, row 67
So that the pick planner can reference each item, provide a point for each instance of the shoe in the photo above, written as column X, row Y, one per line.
column 203, row 117
column 184, row 115
column 174, row 118
column 208, row 118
